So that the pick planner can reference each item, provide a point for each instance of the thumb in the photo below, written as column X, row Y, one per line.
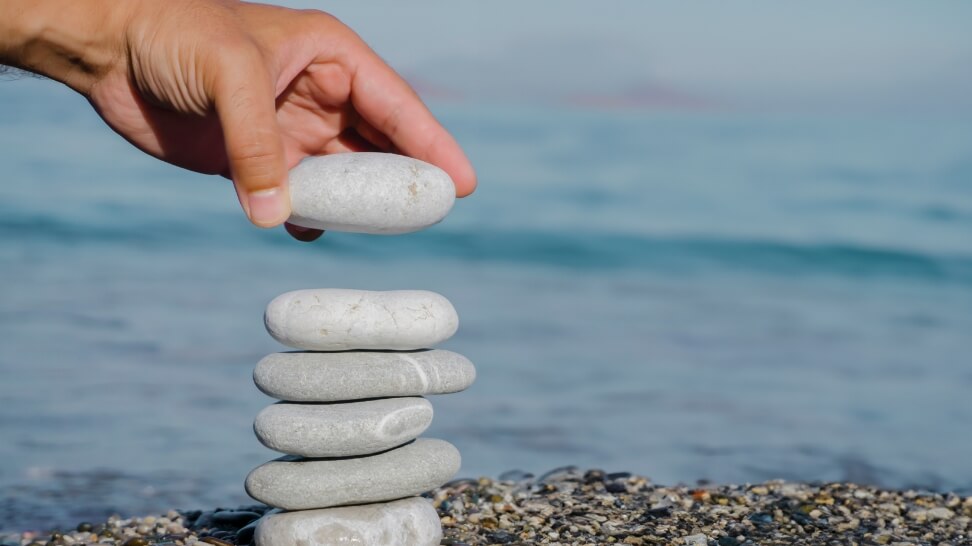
column 245, row 103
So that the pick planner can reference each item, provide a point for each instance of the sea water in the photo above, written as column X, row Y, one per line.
column 718, row 295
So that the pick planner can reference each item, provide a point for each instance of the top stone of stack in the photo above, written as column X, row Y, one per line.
column 333, row 319
column 367, row 192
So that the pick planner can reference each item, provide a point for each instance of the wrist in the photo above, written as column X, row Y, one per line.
column 75, row 42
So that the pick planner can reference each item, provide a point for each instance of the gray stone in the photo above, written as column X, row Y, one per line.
column 940, row 512
column 333, row 319
column 406, row 522
column 696, row 540
column 342, row 429
column 369, row 193
column 292, row 483
column 331, row 377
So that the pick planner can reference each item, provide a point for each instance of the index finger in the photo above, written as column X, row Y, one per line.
column 389, row 104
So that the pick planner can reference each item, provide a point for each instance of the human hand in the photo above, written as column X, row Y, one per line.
column 232, row 88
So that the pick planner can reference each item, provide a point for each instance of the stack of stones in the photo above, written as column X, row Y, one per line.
column 351, row 405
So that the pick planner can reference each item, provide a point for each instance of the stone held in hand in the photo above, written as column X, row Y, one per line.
column 333, row 319
column 342, row 429
column 331, row 377
column 406, row 522
column 367, row 192
column 302, row 484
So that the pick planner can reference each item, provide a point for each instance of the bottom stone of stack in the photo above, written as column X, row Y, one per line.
column 406, row 522
column 293, row 483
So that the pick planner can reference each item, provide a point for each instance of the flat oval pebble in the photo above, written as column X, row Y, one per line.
column 405, row 522
column 342, row 429
column 369, row 192
column 331, row 377
column 292, row 483
column 334, row 319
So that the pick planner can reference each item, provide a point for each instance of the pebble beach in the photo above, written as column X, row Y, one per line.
column 571, row 506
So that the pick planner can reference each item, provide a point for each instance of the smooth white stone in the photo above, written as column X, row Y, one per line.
column 405, row 522
column 342, row 429
column 369, row 192
column 301, row 484
column 334, row 319
column 331, row 377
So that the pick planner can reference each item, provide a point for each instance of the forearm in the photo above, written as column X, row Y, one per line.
column 71, row 41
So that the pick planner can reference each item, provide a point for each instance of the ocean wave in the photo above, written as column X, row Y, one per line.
column 675, row 253
column 533, row 248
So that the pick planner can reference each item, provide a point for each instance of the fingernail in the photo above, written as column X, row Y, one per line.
column 268, row 207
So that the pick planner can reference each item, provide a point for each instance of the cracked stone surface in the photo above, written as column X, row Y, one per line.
column 335, row 319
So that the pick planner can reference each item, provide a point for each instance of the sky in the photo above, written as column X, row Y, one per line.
column 751, row 54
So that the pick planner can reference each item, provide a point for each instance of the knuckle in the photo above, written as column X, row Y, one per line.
column 255, row 166
column 318, row 17
column 329, row 28
column 392, row 125
column 239, row 51
column 251, row 153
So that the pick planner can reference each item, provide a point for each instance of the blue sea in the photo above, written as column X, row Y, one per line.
column 721, row 295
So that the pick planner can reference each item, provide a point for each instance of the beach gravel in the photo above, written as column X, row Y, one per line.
column 569, row 506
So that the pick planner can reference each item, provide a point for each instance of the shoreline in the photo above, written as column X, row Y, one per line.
column 571, row 506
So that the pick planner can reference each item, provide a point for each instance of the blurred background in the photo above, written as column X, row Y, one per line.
column 712, row 241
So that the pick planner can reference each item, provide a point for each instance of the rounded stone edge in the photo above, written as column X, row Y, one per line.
column 470, row 371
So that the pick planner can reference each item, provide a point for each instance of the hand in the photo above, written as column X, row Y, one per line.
column 237, row 89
